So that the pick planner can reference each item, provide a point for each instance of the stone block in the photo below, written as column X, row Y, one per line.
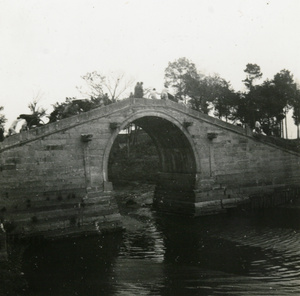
column 107, row 186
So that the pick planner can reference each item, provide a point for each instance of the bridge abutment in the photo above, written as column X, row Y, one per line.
column 174, row 193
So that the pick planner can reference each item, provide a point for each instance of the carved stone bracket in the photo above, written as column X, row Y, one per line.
column 86, row 138
column 114, row 125
column 211, row 135
column 187, row 124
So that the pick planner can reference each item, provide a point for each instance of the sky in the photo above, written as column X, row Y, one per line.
column 47, row 46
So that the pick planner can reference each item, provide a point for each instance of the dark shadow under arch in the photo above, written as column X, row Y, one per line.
column 174, row 149
column 174, row 191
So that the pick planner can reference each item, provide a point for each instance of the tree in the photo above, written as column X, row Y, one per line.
column 286, row 91
column 295, row 103
column 117, row 85
column 106, row 89
column 63, row 110
column 199, row 91
column 94, row 82
column 269, row 107
column 178, row 74
column 36, row 110
column 73, row 106
column 240, row 111
column 261, row 104
column 225, row 102
column 2, row 117
column 285, row 86
column 205, row 91
column 253, row 73
column 100, row 90
column 267, row 103
column 2, row 121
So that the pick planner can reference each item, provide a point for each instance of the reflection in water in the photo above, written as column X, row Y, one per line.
column 73, row 267
column 168, row 255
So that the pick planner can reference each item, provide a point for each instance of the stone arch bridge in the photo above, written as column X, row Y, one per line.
column 54, row 180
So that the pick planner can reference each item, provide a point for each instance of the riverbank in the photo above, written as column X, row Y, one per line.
column 135, row 201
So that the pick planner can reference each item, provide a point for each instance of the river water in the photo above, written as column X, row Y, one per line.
column 236, row 254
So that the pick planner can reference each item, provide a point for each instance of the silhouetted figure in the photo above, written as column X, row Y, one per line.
column 138, row 90
column 106, row 100
column 172, row 98
column 141, row 90
column 1, row 133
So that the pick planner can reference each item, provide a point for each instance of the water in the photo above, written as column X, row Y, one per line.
column 257, row 254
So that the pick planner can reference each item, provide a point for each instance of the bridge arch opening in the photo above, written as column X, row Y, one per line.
column 175, row 158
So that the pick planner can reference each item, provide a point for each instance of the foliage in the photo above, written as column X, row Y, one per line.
column 295, row 103
column 178, row 74
column 2, row 121
column 35, row 118
column 260, row 104
column 209, row 90
column 100, row 90
column 296, row 109
column 73, row 106
column 2, row 117
column 226, row 102
column 286, row 88
column 36, row 110
column 201, row 92
column 267, row 103
column 253, row 73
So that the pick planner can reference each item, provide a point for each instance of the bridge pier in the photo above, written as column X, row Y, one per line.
column 174, row 193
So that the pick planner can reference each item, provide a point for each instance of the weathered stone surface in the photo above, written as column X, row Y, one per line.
column 48, row 171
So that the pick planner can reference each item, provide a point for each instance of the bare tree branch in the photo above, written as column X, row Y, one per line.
column 115, row 85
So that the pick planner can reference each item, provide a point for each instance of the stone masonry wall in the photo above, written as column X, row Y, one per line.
column 46, row 178
column 52, row 181
column 233, row 158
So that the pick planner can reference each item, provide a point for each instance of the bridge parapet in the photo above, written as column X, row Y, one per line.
column 106, row 111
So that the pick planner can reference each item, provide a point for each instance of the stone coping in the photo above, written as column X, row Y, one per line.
column 105, row 111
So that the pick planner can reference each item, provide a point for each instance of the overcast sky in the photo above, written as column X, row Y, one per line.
column 46, row 46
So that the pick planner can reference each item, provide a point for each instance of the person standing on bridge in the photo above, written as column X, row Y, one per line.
column 138, row 90
column 12, row 129
column 257, row 127
column 164, row 93
column 153, row 94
